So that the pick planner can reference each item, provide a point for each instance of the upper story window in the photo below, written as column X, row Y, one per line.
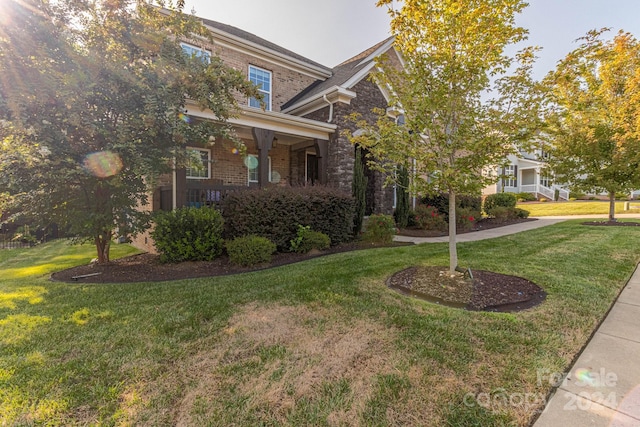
column 197, row 52
column 262, row 79
column 199, row 163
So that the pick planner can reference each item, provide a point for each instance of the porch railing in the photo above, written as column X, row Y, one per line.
column 548, row 192
column 211, row 196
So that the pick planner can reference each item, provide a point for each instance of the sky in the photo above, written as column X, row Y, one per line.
column 330, row 31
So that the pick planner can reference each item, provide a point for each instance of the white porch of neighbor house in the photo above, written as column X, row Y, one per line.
column 526, row 176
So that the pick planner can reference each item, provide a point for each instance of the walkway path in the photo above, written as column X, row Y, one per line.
column 602, row 388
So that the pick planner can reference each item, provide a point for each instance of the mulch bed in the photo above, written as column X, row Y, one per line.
column 147, row 267
column 482, row 224
column 488, row 291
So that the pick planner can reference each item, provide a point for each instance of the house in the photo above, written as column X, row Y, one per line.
column 524, row 172
column 296, row 140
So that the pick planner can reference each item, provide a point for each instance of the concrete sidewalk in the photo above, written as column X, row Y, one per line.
column 484, row 234
column 603, row 386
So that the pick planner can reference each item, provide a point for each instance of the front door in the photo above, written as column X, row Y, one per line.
column 312, row 168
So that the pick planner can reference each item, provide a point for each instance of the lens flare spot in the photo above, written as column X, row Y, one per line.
column 584, row 375
column 275, row 177
column 235, row 151
column 251, row 162
column 103, row 164
column 184, row 118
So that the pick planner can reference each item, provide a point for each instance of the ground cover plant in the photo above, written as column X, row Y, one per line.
column 576, row 208
column 323, row 342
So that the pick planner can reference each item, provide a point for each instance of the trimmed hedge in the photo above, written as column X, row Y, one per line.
column 276, row 212
column 188, row 234
column 307, row 239
column 250, row 250
column 504, row 200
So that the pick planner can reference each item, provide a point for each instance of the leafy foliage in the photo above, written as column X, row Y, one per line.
column 380, row 229
column 453, row 53
column 594, row 130
column 92, row 97
column 307, row 239
column 429, row 217
column 505, row 200
column 276, row 212
column 188, row 234
column 401, row 214
column 359, row 190
column 250, row 250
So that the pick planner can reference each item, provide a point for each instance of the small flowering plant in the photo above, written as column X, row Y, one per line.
column 465, row 219
column 429, row 218
column 380, row 229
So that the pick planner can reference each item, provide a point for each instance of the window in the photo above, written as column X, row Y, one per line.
column 545, row 180
column 196, row 52
column 510, row 176
column 262, row 79
column 252, row 165
column 199, row 163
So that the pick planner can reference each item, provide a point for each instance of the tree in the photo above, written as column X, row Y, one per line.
column 401, row 213
column 453, row 54
column 595, row 126
column 359, row 191
column 92, row 96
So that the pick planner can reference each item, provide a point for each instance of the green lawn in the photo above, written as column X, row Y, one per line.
column 323, row 342
column 575, row 208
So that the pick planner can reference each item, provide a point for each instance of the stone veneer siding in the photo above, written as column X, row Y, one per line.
column 342, row 152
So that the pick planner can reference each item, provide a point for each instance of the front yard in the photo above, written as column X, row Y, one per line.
column 591, row 207
column 323, row 342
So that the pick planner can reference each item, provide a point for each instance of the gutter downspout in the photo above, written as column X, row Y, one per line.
column 330, row 107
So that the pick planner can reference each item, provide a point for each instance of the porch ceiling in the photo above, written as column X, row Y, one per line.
column 290, row 128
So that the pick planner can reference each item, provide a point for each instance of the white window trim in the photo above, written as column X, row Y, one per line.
column 208, row 151
column 510, row 176
column 208, row 53
column 249, row 180
column 269, row 92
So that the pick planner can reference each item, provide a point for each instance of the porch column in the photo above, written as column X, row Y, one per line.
column 181, row 187
column 322, row 153
column 264, row 141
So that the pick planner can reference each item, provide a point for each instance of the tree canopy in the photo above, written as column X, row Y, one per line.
column 594, row 125
column 453, row 128
column 92, row 96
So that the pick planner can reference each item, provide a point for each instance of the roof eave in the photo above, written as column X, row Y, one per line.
column 333, row 94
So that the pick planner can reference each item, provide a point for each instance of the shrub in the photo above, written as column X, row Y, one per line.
column 359, row 191
column 401, row 214
column 501, row 213
column 276, row 212
column 188, row 234
column 428, row 218
column 505, row 200
column 525, row 197
column 521, row 213
column 465, row 218
column 411, row 218
column 463, row 201
column 250, row 250
column 308, row 239
column 380, row 229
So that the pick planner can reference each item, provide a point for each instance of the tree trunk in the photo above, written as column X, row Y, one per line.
column 103, row 244
column 612, row 206
column 453, row 251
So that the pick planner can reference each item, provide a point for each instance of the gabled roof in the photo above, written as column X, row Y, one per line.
column 252, row 38
column 344, row 75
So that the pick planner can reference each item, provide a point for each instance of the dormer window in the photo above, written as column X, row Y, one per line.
column 262, row 79
column 196, row 52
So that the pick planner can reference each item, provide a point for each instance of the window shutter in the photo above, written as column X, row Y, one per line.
column 515, row 176
column 502, row 172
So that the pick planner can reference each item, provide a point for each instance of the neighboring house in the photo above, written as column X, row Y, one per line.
column 524, row 173
column 296, row 140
